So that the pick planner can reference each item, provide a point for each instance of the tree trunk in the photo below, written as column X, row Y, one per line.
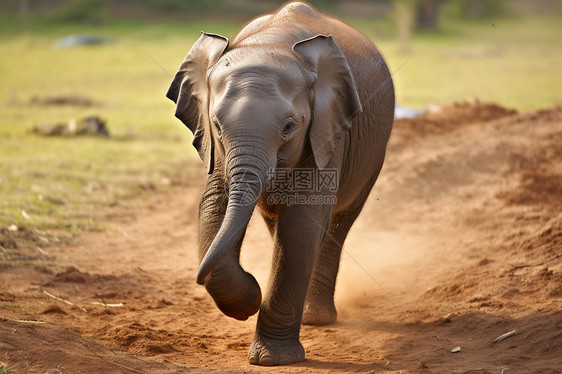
column 427, row 14
column 404, row 20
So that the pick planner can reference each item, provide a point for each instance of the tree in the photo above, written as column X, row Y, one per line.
column 427, row 14
column 24, row 13
column 480, row 9
column 404, row 13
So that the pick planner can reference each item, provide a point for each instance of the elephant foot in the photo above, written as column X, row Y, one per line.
column 314, row 314
column 270, row 352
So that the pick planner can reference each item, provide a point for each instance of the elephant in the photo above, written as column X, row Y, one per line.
column 294, row 92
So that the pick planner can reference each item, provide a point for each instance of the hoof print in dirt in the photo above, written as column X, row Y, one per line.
column 271, row 352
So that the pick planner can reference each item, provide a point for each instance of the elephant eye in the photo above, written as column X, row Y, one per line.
column 289, row 125
column 217, row 126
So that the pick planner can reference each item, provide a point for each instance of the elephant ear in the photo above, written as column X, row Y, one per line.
column 336, row 100
column 189, row 91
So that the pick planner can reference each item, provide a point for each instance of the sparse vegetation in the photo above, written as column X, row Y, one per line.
column 19, row 308
column 4, row 369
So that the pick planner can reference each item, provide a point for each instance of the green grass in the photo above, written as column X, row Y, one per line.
column 6, row 370
column 17, row 307
column 61, row 183
column 514, row 62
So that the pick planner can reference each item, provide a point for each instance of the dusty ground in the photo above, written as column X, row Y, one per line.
column 464, row 230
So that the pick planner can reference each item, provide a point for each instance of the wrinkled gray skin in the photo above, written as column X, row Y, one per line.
column 294, row 89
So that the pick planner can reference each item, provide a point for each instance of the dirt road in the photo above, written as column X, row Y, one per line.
column 463, row 229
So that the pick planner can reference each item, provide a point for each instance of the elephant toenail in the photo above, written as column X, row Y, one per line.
column 286, row 360
column 267, row 360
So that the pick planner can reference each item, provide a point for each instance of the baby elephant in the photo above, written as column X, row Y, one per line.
column 293, row 116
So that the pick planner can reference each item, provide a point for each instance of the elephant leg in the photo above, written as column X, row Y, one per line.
column 299, row 233
column 319, row 306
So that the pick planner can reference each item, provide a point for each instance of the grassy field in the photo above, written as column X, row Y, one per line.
column 61, row 182
column 514, row 62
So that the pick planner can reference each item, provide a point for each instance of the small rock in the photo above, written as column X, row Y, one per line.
column 54, row 309
column 92, row 125
column 456, row 350
column 82, row 40
column 447, row 318
column 12, row 228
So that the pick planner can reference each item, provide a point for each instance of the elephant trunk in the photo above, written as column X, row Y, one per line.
column 236, row 292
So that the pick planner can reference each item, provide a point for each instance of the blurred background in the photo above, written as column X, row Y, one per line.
column 102, row 67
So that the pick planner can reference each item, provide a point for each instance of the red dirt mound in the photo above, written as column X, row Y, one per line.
column 444, row 119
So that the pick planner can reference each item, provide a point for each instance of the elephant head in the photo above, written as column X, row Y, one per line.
column 252, row 109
